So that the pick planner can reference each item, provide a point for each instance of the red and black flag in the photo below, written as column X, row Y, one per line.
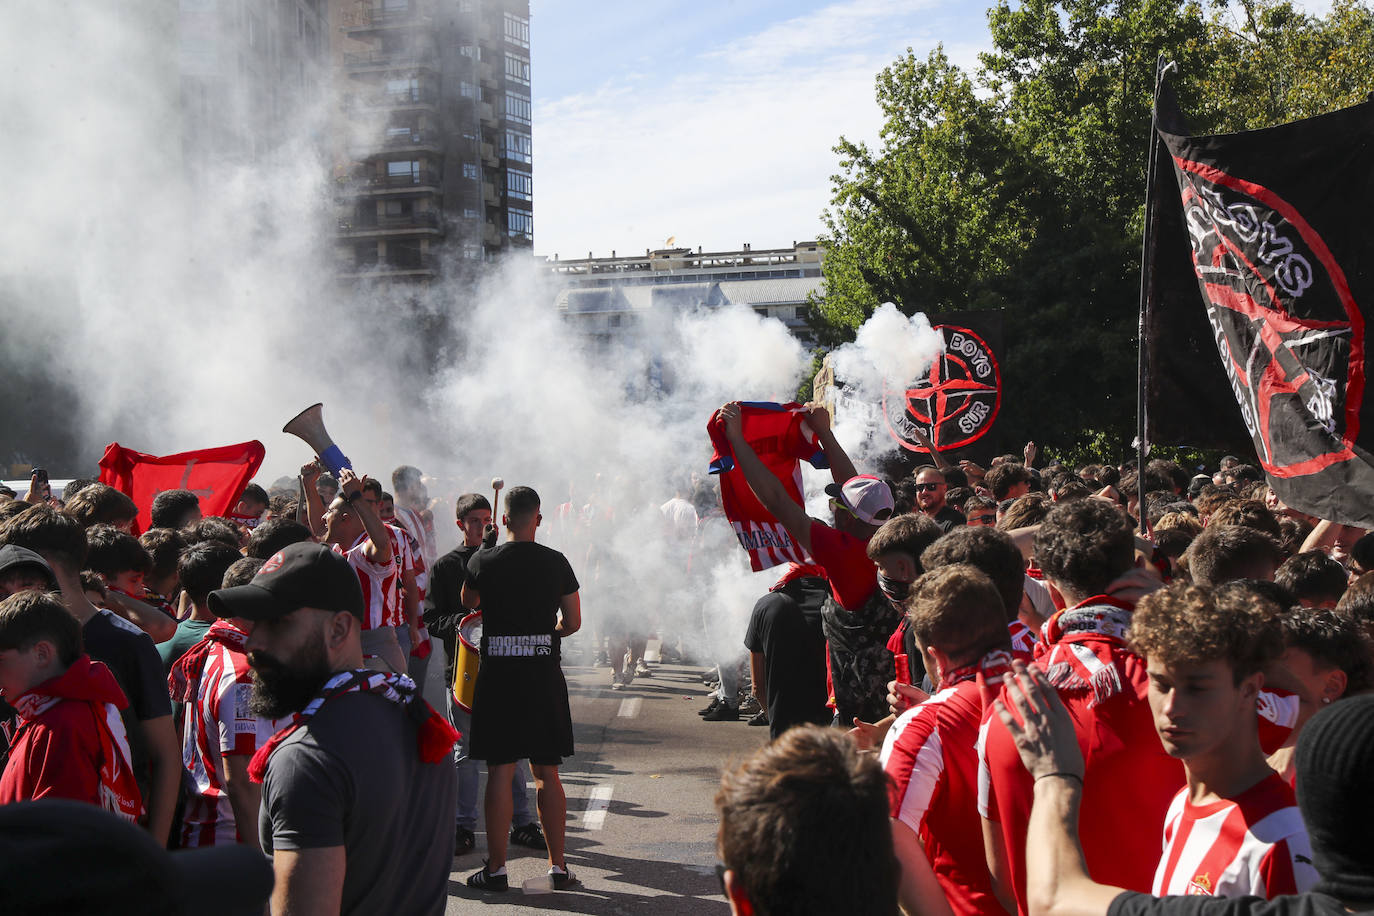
column 1260, row 271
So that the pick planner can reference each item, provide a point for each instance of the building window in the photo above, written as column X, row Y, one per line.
column 404, row 89
column 472, row 252
column 469, row 213
column 518, row 108
column 398, row 208
column 520, row 184
column 472, row 51
column 519, row 146
column 402, row 134
column 405, row 168
column 517, row 69
column 519, row 223
column 517, row 30
column 467, row 90
column 471, row 171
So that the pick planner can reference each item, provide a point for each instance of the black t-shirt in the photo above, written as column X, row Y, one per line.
column 949, row 517
column 132, row 658
column 443, row 601
column 521, row 584
column 1133, row 904
column 353, row 777
column 785, row 627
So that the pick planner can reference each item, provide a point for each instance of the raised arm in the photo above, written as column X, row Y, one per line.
column 379, row 546
column 1057, row 882
column 310, row 507
column 923, row 438
column 841, row 468
column 771, row 493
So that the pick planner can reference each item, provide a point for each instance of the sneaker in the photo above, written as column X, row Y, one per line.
column 484, row 880
column 759, row 718
column 464, row 841
column 615, row 683
column 530, row 836
column 725, row 712
column 748, row 706
column 715, row 704
column 563, row 880
column 642, row 668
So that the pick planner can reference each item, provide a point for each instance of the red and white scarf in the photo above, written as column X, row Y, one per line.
column 1077, row 647
column 92, row 683
column 184, row 681
column 436, row 736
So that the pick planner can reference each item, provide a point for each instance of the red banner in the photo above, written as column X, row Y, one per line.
column 216, row 475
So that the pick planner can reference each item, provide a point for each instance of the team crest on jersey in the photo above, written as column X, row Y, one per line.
column 1200, row 886
column 956, row 402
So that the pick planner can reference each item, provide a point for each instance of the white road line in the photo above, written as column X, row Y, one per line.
column 597, row 803
column 629, row 707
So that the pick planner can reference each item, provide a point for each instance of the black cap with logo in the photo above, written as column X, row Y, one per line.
column 301, row 575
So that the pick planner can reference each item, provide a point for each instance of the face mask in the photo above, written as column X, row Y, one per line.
column 895, row 589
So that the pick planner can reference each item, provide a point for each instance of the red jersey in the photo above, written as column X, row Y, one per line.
column 216, row 724
column 379, row 586
column 71, row 743
column 853, row 577
column 932, row 770
column 779, row 436
column 1129, row 781
column 1252, row 845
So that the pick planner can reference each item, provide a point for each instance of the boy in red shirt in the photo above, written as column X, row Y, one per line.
column 959, row 625
column 70, row 742
column 1083, row 547
column 1235, row 829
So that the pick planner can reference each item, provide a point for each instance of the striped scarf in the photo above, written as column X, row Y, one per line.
column 1077, row 647
column 436, row 736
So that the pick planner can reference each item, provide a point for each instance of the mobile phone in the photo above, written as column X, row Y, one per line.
column 41, row 474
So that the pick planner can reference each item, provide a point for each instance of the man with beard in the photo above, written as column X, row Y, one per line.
column 361, row 778
column 931, row 488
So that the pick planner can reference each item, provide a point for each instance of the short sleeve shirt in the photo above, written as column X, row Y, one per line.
column 853, row 577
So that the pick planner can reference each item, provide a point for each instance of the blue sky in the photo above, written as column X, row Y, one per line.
column 712, row 121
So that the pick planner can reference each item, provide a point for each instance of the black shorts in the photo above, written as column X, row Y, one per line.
column 534, row 761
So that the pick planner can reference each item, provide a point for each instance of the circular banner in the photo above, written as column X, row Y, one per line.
column 955, row 403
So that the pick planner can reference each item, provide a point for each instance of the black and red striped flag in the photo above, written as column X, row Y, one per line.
column 1261, row 271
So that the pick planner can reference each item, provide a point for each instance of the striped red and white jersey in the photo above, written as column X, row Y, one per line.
column 413, row 523
column 218, row 724
column 379, row 583
column 932, row 771
column 1252, row 845
column 1022, row 641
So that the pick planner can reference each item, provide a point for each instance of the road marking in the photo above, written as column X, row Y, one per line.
column 597, row 803
column 629, row 707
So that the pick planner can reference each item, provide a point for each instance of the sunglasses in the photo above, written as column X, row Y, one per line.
column 922, row 487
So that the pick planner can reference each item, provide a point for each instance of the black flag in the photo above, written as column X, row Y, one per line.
column 1273, row 228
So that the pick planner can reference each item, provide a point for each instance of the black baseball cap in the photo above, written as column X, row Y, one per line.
column 300, row 575
column 74, row 858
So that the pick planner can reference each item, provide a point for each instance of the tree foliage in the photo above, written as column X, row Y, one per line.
column 1021, row 186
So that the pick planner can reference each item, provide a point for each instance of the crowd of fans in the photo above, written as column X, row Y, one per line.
column 918, row 678
column 1053, row 696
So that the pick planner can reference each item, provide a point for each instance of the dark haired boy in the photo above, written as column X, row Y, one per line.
column 201, row 569
column 803, row 829
column 1314, row 578
column 125, row 649
column 1234, row 830
column 959, row 625
column 123, row 563
column 175, row 509
column 70, row 741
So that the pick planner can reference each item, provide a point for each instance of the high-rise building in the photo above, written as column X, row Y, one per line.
column 434, row 168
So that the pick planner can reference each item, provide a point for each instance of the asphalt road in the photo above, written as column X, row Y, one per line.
column 641, row 821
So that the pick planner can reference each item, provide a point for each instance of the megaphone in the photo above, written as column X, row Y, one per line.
column 309, row 425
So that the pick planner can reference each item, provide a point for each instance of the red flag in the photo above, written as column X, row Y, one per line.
column 216, row 475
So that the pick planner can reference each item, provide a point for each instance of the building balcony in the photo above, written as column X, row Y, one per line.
column 397, row 266
column 378, row 60
column 372, row 19
column 426, row 222
column 491, row 236
column 372, row 101
column 489, row 157
column 417, row 141
column 425, row 178
column 489, row 194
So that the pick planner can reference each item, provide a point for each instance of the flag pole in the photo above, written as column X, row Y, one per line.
column 1162, row 68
